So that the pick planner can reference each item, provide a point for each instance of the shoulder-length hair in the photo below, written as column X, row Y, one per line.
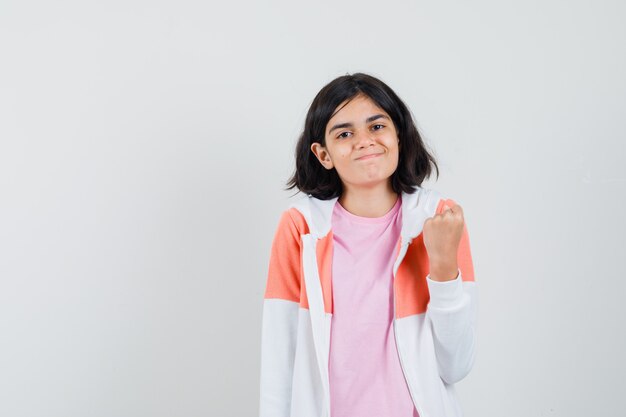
column 415, row 163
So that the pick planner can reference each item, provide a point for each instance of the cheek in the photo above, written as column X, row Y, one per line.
column 395, row 157
column 342, row 152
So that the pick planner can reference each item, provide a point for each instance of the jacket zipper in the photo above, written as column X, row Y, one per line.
column 401, row 255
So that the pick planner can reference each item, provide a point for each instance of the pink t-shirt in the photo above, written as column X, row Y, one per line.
column 366, row 379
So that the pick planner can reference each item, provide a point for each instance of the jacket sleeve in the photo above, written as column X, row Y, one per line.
column 452, row 312
column 280, row 320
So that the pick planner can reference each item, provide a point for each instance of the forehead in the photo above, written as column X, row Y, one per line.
column 355, row 109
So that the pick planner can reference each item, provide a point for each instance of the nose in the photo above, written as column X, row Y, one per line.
column 364, row 138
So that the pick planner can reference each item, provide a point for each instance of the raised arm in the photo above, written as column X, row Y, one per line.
column 452, row 312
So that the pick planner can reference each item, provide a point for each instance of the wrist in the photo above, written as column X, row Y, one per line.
column 444, row 271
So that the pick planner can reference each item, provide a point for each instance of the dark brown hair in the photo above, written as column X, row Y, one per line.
column 415, row 163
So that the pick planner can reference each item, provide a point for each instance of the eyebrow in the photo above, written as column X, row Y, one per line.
column 368, row 120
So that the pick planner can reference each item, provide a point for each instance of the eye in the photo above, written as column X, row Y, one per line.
column 341, row 135
column 381, row 126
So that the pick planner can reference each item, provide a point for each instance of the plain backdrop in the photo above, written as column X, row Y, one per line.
column 145, row 145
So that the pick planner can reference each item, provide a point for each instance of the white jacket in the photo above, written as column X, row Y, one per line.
column 434, row 322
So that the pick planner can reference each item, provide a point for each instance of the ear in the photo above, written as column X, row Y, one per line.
column 322, row 155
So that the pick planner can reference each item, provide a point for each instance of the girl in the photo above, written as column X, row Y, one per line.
column 370, row 301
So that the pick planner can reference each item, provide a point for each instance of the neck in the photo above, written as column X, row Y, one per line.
column 368, row 201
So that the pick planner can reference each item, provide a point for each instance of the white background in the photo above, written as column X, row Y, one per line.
column 143, row 151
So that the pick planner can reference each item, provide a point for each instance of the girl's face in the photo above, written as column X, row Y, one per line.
column 361, row 144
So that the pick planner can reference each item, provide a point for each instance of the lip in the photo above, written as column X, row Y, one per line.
column 370, row 156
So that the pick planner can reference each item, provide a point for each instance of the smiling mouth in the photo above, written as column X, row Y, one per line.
column 369, row 156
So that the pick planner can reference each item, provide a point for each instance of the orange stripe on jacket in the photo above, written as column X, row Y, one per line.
column 324, row 266
column 285, row 266
column 285, row 278
column 411, row 285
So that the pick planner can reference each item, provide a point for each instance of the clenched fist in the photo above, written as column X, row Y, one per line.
column 442, row 234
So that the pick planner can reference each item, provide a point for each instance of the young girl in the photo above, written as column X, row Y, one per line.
column 370, row 302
